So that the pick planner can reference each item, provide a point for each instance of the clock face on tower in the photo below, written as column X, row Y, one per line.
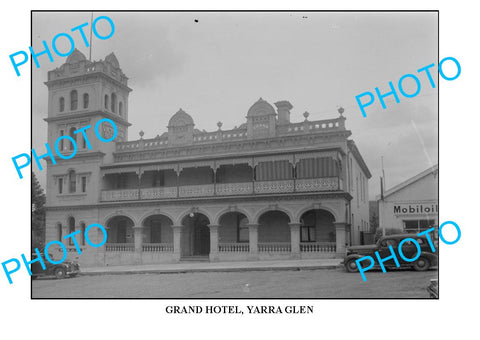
column 107, row 131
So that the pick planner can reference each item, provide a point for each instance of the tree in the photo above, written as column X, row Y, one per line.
column 38, row 214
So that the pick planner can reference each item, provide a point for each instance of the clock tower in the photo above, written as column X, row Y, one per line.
column 80, row 94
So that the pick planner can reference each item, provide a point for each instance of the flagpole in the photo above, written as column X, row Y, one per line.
column 90, row 52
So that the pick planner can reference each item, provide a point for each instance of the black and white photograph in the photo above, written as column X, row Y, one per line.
column 244, row 155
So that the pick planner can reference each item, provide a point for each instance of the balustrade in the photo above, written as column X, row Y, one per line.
column 316, row 247
column 158, row 247
column 123, row 247
column 233, row 247
column 120, row 195
column 159, row 192
column 274, row 247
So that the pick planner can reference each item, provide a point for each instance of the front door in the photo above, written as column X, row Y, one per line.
column 201, row 240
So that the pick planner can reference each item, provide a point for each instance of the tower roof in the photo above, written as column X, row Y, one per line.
column 261, row 108
column 181, row 118
column 75, row 57
column 111, row 58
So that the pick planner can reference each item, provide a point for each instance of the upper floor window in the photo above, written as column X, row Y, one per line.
column 85, row 100
column 61, row 140
column 120, row 108
column 73, row 100
column 106, row 101
column 84, row 184
column 72, row 181
column 74, row 136
column 114, row 102
column 60, row 185
column 61, row 104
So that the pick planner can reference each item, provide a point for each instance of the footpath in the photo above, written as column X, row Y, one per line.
column 192, row 267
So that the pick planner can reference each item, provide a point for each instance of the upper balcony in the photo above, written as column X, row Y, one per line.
column 277, row 174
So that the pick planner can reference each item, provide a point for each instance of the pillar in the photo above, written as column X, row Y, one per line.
column 213, row 242
column 253, row 240
column 295, row 239
column 340, row 235
column 177, row 241
column 138, row 242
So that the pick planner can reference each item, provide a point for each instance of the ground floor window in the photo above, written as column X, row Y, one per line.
column 307, row 233
column 415, row 226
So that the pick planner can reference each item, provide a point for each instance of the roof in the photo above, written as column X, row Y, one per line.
column 261, row 108
column 356, row 153
column 181, row 118
column 410, row 181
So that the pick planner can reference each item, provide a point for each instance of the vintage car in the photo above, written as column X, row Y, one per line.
column 66, row 268
column 426, row 260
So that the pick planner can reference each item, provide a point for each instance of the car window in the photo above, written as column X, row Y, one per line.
column 386, row 243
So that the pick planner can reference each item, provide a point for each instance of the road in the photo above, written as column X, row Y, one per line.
column 323, row 283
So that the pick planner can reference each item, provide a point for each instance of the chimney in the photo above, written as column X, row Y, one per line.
column 283, row 111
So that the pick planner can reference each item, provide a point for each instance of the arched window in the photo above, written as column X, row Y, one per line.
column 114, row 102
column 85, row 100
column 61, row 104
column 72, row 181
column 71, row 229
column 59, row 232
column 106, row 101
column 120, row 108
column 74, row 136
column 73, row 100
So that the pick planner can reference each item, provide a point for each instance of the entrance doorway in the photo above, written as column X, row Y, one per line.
column 196, row 239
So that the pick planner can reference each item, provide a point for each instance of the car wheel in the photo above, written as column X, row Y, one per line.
column 60, row 273
column 351, row 266
column 421, row 264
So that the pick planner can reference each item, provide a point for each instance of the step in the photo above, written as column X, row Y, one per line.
column 195, row 259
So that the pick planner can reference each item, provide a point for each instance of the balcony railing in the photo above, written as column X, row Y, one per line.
column 158, row 247
column 123, row 247
column 120, row 195
column 317, row 247
column 156, row 193
column 275, row 247
column 225, row 189
column 233, row 247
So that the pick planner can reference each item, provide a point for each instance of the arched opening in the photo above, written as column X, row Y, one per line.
column 274, row 232
column 317, row 225
column 61, row 104
column 120, row 230
column 71, row 229
column 157, row 229
column 73, row 100
column 106, row 101
column 233, row 233
column 85, row 100
column 317, row 232
column 196, row 237
column 114, row 102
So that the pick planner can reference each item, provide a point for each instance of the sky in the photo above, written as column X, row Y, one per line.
column 216, row 65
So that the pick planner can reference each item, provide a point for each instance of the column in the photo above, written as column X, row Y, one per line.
column 213, row 242
column 138, row 242
column 177, row 241
column 295, row 239
column 340, row 235
column 253, row 240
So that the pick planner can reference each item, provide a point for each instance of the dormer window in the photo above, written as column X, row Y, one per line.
column 73, row 100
